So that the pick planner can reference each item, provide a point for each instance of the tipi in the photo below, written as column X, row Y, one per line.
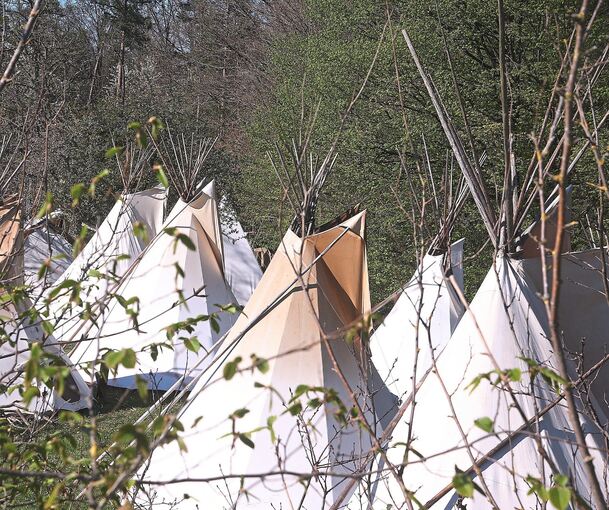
column 286, row 347
column 179, row 280
column 18, row 332
column 489, row 414
column 501, row 330
column 424, row 316
column 44, row 246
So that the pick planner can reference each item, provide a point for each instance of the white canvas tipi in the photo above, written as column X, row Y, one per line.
column 105, row 259
column 44, row 246
column 18, row 332
column 283, row 324
column 425, row 315
column 179, row 278
column 501, row 328
column 240, row 265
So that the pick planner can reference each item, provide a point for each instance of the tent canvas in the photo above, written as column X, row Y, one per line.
column 172, row 283
column 111, row 251
column 502, row 326
column 240, row 265
column 43, row 243
column 16, row 336
column 426, row 312
column 18, row 332
column 283, row 323
column 11, row 239
column 583, row 312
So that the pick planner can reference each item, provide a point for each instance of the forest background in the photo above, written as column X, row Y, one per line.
column 259, row 73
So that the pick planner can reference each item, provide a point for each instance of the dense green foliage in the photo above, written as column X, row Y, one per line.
column 259, row 75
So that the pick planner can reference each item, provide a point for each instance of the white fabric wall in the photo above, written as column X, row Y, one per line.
column 240, row 265
column 167, row 297
column 40, row 244
column 426, row 313
column 506, row 337
column 112, row 250
column 583, row 312
column 15, row 338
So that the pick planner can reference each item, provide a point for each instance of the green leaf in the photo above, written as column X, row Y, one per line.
column 47, row 206
column 230, row 369
column 113, row 151
column 161, row 175
column 239, row 413
column 77, row 192
column 562, row 480
column 246, row 440
column 30, row 393
column 192, row 344
column 142, row 387
column 295, row 409
column 140, row 231
column 113, row 358
column 485, row 424
column 514, row 374
column 129, row 358
column 560, row 497
column 463, row 484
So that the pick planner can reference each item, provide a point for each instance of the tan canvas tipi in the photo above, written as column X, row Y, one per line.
column 293, row 327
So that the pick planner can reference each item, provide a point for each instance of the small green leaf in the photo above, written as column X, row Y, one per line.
column 230, row 369
column 161, row 175
column 47, row 206
column 485, row 424
column 560, row 497
column 192, row 344
column 562, row 480
column 246, row 440
column 113, row 151
column 239, row 413
column 514, row 374
column 129, row 358
column 295, row 409
column 142, row 387
column 463, row 484
column 77, row 192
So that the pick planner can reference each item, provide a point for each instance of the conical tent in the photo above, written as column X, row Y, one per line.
column 17, row 332
column 283, row 324
column 44, row 246
column 16, row 336
column 180, row 277
column 11, row 239
column 501, row 329
column 426, row 313
column 112, row 250
column 583, row 313
column 511, row 324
